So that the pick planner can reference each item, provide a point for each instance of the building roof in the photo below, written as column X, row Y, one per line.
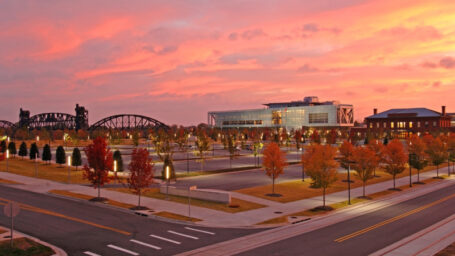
column 406, row 112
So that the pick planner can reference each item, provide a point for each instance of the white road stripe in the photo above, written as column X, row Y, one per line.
column 184, row 235
column 145, row 244
column 166, row 239
column 91, row 253
column 202, row 231
column 122, row 249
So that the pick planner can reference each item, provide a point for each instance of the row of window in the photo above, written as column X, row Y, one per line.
column 240, row 122
column 318, row 118
column 402, row 124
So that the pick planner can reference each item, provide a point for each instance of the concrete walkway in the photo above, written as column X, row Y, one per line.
column 212, row 217
column 426, row 242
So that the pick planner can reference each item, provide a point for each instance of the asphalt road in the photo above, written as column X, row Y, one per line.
column 79, row 227
column 341, row 238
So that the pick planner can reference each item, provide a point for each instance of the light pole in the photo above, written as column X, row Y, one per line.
column 7, row 157
column 349, row 183
column 69, row 170
column 411, row 156
column 115, row 170
column 167, row 181
column 36, row 165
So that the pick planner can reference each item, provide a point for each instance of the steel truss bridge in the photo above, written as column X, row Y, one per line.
column 61, row 121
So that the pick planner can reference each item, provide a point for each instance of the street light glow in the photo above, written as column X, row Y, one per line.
column 69, row 160
column 7, row 153
column 167, row 172
column 115, row 165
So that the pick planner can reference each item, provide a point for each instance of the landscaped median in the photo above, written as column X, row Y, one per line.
column 22, row 246
column 237, row 205
column 297, row 190
column 316, row 211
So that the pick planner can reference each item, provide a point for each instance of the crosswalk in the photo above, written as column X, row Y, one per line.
column 172, row 237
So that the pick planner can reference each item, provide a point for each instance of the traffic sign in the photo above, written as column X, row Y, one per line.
column 12, row 209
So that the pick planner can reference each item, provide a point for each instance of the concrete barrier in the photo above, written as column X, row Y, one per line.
column 203, row 194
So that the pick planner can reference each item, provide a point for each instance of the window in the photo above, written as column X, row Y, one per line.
column 418, row 124
column 410, row 124
column 385, row 125
column 318, row 118
column 377, row 125
column 434, row 124
column 426, row 123
column 276, row 117
column 371, row 125
column 401, row 124
column 392, row 125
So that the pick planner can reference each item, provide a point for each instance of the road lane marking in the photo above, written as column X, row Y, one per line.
column 184, row 235
column 388, row 221
column 145, row 244
column 122, row 249
column 166, row 239
column 201, row 231
column 55, row 214
column 91, row 253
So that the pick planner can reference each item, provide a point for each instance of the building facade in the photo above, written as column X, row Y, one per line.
column 406, row 121
column 290, row 115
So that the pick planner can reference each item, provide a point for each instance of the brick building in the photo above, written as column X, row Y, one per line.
column 406, row 121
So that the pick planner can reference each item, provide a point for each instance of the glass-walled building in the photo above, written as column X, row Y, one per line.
column 290, row 115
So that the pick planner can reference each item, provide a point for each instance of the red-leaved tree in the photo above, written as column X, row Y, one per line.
column 99, row 159
column 142, row 171
column 274, row 162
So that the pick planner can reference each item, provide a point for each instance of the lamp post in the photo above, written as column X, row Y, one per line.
column 7, row 157
column 167, row 181
column 36, row 165
column 411, row 156
column 69, row 170
column 349, row 183
column 115, row 170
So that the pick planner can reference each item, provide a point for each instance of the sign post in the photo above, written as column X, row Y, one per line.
column 11, row 210
column 189, row 200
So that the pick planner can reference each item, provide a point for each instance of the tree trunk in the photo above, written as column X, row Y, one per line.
column 364, row 183
column 437, row 170
column 418, row 175
column 394, row 181
column 99, row 190
column 139, row 202
column 273, row 183
column 323, row 197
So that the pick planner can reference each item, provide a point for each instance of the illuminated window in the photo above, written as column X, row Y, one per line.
column 276, row 117
column 377, row 125
column 385, row 125
column 401, row 124
column 392, row 125
column 418, row 124
column 410, row 124
column 371, row 125
column 434, row 124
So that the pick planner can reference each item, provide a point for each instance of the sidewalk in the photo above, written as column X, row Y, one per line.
column 212, row 217
column 426, row 242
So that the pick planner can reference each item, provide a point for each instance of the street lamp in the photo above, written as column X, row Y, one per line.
column 167, row 181
column 37, row 138
column 36, row 165
column 69, row 171
column 115, row 169
column 349, row 183
column 7, row 157
column 412, row 157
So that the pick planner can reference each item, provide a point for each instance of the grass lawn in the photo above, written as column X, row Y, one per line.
column 52, row 171
column 297, row 190
column 24, row 247
column 175, row 216
column 448, row 251
column 335, row 206
column 241, row 205
column 87, row 197
column 2, row 231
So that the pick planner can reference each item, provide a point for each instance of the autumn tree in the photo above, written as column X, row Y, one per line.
column 99, row 158
column 165, row 151
column 365, row 163
column 297, row 138
column 76, row 158
column 118, row 157
column 142, row 170
column 394, row 159
column 377, row 147
column 451, row 149
column 60, row 155
column 47, row 155
column 3, row 146
column 34, row 151
column 332, row 137
column 315, row 137
column 182, row 139
column 274, row 161
column 232, row 148
column 436, row 150
column 23, row 150
column 418, row 156
column 346, row 152
column 256, row 146
column 321, row 166
column 202, row 145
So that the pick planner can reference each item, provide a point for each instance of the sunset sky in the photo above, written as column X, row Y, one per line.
column 177, row 60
